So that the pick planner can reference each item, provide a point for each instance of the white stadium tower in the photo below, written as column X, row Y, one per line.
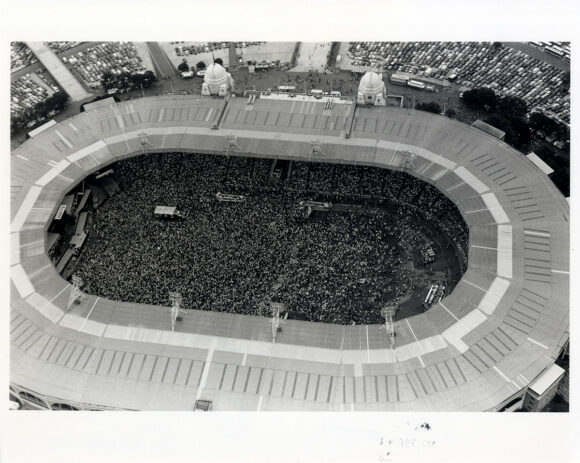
column 480, row 348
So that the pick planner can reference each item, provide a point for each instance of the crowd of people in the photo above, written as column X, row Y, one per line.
column 477, row 64
column 115, row 57
column 20, row 56
column 340, row 267
column 30, row 90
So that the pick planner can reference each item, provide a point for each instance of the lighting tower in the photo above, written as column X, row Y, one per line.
column 231, row 144
column 276, row 320
column 144, row 139
column 76, row 295
column 315, row 148
column 408, row 160
column 176, row 300
column 388, row 312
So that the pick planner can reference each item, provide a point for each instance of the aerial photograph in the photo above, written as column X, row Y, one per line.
column 378, row 226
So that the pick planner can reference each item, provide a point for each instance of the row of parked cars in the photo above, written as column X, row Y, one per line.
column 59, row 47
column 472, row 64
column 206, row 47
column 29, row 90
column 20, row 56
column 115, row 57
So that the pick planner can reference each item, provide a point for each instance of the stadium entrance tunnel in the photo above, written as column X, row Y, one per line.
column 322, row 242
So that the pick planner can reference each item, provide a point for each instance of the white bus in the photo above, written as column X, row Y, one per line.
column 416, row 84
column 399, row 79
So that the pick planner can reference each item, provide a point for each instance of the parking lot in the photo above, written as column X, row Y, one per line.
column 194, row 52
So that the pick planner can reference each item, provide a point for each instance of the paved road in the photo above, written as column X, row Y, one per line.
column 162, row 65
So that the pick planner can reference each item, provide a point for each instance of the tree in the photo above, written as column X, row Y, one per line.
column 431, row 107
column 149, row 78
column 58, row 101
column 512, row 106
column 566, row 82
column 521, row 133
column 451, row 113
column 144, row 80
column 517, row 130
column 498, row 121
column 108, row 80
column 548, row 126
column 183, row 66
column 200, row 66
column 480, row 98
column 545, row 152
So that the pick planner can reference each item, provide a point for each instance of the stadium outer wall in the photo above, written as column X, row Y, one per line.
column 499, row 329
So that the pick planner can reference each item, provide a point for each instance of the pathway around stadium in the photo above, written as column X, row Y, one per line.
column 162, row 65
column 312, row 55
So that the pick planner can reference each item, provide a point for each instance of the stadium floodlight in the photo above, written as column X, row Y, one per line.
column 276, row 320
column 388, row 312
column 76, row 295
column 144, row 139
column 408, row 160
column 315, row 149
column 175, row 299
column 231, row 144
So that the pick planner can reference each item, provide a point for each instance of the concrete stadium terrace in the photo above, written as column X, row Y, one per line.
column 501, row 327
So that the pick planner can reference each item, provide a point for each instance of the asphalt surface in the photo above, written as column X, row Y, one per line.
column 162, row 65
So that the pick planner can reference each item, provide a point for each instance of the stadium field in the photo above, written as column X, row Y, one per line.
column 339, row 266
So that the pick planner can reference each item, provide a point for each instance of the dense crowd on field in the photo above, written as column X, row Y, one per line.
column 477, row 64
column 340, row 266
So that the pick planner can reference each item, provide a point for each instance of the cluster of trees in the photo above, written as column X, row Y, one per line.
column 47, row 108
column 510, row 114
column 200, row 66
column 546, row 126
column 507, row 113
column 127, row 81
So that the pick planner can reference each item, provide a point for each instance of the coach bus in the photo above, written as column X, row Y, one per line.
column 416, row 84
column 399, row 79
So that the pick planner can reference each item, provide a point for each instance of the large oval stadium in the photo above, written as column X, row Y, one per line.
column 477, row 349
